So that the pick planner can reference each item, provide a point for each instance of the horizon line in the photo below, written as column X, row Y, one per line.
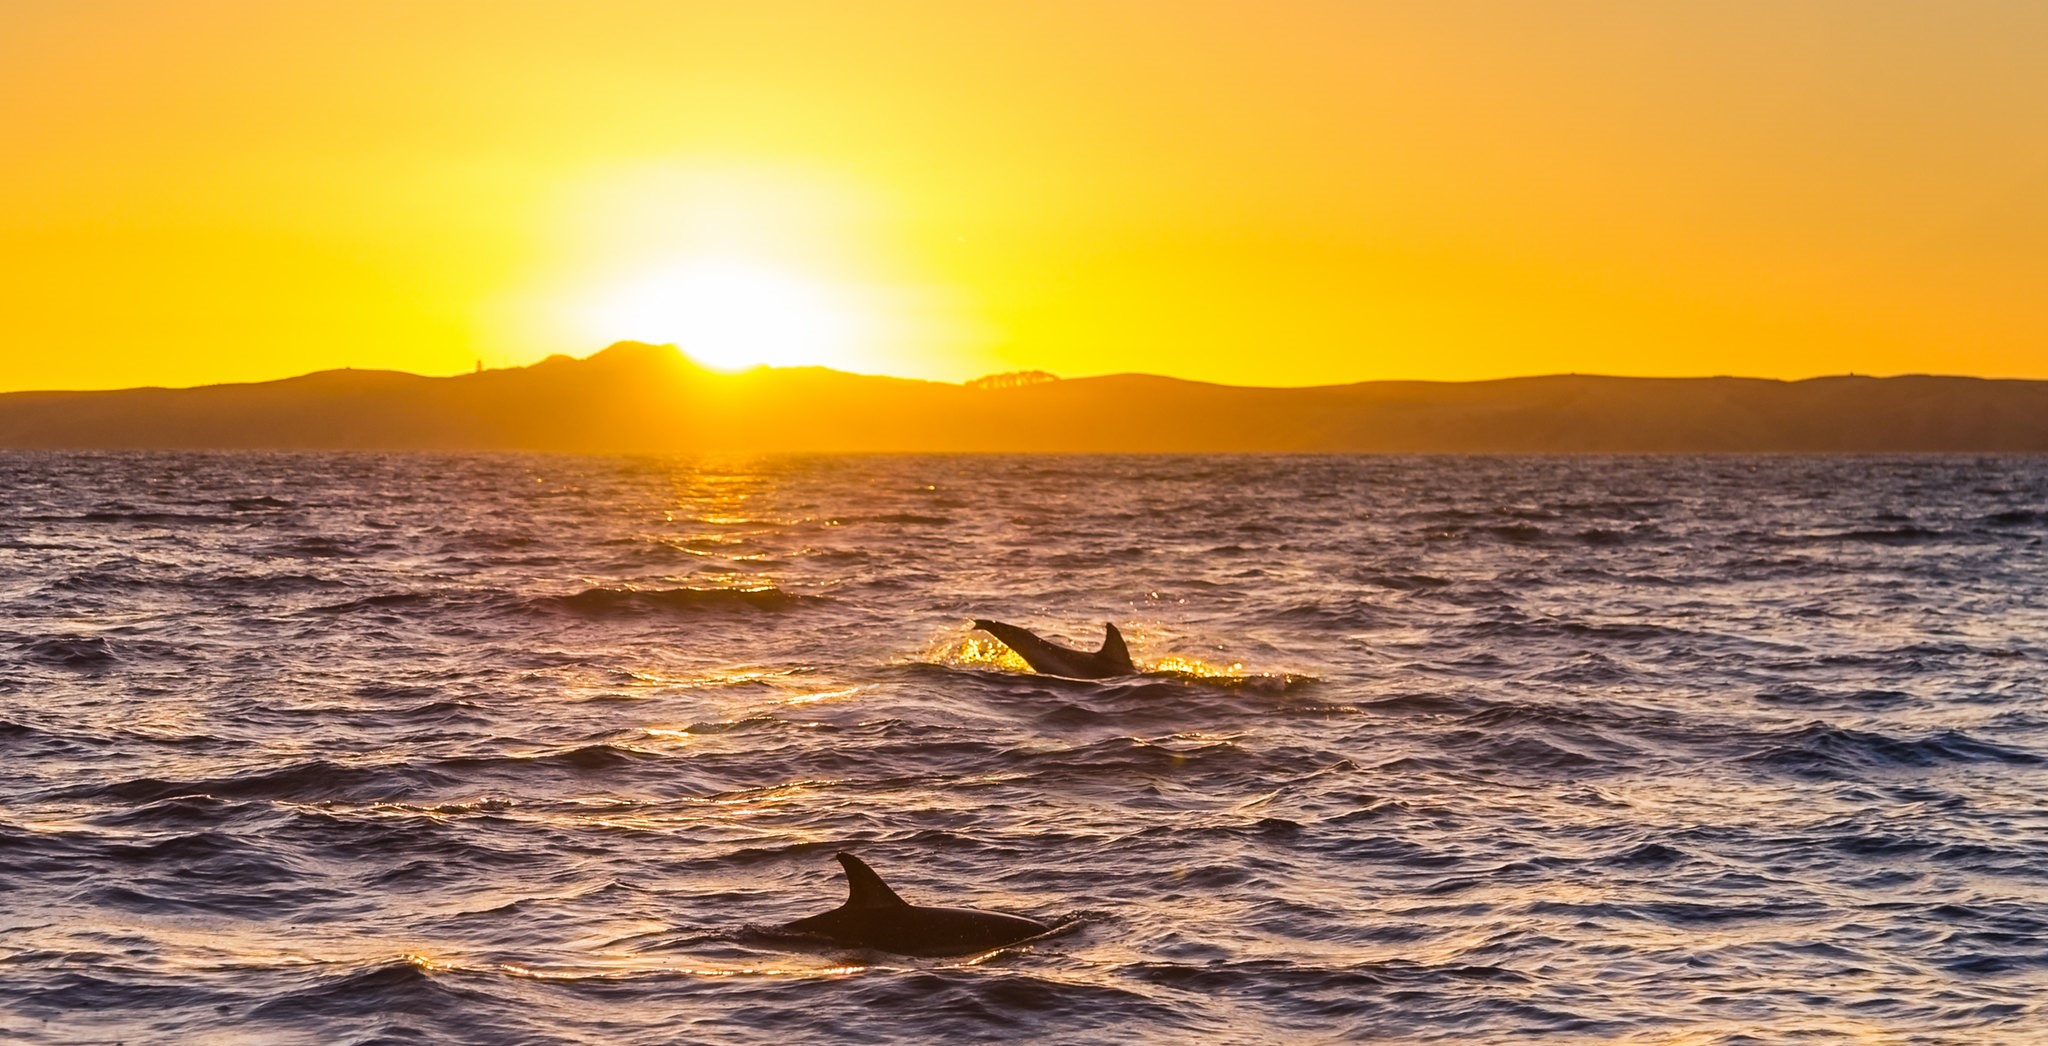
column 684, row 355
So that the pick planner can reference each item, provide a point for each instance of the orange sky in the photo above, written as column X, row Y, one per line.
column 1257, row 193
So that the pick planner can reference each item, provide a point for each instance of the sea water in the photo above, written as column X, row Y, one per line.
column 501, row 749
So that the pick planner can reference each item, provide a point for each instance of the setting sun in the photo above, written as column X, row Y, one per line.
column 1295, row 194
column 731, row 315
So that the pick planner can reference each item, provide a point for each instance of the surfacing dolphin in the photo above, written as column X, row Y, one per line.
column 1055, row 660
column 874, row 917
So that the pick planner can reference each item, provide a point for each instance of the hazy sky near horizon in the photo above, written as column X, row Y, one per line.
column 1273, row 193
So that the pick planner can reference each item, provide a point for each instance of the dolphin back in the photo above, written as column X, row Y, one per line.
column 1041, row 655
column 874, row 917
column 1053, row 659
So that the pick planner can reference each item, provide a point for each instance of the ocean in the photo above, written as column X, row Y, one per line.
column 306, row 748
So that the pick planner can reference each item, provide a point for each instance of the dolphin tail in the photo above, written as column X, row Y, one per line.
column 865, row 889
column 1113, row 650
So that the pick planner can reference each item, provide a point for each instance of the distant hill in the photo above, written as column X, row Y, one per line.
column 651, row 399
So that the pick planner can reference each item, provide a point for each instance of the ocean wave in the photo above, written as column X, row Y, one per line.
column 1363, row 1000
column 613, row 602
column 1422, row 704
column 381, row 601
column 141, row 518
column 1647, row 855
column 2015, row 518
column 1588, row 669
column 1515, row 534
column 382, row 1000
column 1486, row 752
column 304, row 781
column 80, row 653
column 408, row 843
column 204, row 856
column 13, row 733
column 1823, row 749
column 1332, row 614
column 319, row 547
column 259, row 503
column 963, row 1004
column 579, row 759
column 902, row 518
column 1902, row 535
column 1400, row 582
column 184, row 809
column 1799, row 695
column 1621, row 633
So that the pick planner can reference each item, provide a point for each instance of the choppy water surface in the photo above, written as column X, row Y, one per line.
column 505, row 749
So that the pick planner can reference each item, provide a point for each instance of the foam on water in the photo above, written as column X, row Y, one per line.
column 325, row 748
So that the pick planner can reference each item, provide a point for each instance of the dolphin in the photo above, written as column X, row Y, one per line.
column 1055, row 660
column 874, row 917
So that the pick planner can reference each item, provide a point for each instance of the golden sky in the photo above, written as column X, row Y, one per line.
column 1272, row 192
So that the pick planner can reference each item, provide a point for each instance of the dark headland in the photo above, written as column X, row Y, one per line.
column 651, row 399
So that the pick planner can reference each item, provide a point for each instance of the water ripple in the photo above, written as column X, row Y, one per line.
column 497, row 748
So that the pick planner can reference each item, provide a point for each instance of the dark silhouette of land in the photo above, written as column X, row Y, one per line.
column 644, row 398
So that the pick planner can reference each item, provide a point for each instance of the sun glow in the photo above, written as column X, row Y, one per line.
column 731, row 315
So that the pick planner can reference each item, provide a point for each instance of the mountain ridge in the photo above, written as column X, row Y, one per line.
column 637, row 398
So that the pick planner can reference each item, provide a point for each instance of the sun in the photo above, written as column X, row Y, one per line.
column 730, row 315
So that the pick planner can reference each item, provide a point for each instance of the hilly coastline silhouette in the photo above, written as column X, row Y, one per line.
column 640, row 398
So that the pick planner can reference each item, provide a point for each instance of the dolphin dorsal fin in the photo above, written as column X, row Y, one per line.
column 1113, row 648
column 865, row 889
